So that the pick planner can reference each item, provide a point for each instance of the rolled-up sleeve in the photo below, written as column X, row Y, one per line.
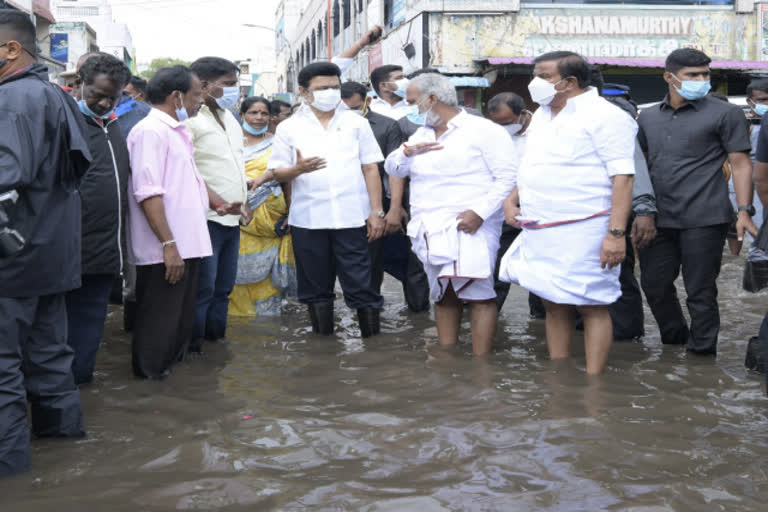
column 148, row 151
column 370, row 152
column 283, row 155
column 614, row 139
column 344, row 63
column 502, row 163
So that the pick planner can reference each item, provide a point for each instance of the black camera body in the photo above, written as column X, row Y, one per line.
column 11, row 241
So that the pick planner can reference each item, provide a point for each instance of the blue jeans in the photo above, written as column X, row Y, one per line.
column 217, row 279
column 86, row 314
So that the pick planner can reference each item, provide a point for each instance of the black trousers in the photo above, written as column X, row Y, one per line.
column 322, row 255
column 508, row 236
column 35, row 366
column 627, row 312
column 699, row 252
column 393, row 254
column 165, row 318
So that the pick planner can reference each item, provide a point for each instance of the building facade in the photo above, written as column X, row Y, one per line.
column 71, row 40
column 488, row 45
column 111, row 37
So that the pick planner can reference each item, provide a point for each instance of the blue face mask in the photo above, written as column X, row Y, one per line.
column 181, row 113
column 760, row 109
column 693, row 90
column 229, row 98
column 419, row 119
column 250, row 129
column 90, row 113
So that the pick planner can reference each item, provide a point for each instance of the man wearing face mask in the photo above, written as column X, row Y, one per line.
column 43, row 155
column 329, row 154
column 461, row 170
column 575, row 195
column 687, row 138
column 218, row 140
column 103, row 194
column 168, row 203
column 389, row 83
column 508, row 110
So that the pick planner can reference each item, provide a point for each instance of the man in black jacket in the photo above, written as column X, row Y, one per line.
column 104, row 201
column 393, row 252
column 43, row 155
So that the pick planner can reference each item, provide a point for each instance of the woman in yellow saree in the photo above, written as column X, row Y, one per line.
column 266, row 271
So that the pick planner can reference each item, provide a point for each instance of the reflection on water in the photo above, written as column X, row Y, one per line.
column 280, row 420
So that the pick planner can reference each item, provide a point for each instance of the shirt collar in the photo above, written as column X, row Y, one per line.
column 458, row 119
column 665, row 104
column 163, row 117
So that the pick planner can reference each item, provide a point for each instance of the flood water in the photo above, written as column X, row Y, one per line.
column 280, row 420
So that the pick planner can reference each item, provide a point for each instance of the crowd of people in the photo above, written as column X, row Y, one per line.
column 203, row 205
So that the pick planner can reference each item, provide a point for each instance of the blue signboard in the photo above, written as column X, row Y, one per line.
column 60, row 47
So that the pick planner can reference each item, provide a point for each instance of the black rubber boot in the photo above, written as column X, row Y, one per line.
column 321, row 314
column 369, row 322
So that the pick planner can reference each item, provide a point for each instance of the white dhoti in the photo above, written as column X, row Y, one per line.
column 455, row 259
column 561, row 264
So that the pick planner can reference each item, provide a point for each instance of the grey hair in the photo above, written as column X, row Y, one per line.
column 440, row 86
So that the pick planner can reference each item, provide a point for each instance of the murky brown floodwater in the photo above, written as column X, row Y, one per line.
column 279, row 420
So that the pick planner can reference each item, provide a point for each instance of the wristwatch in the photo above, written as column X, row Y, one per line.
column 750, row 209
column 619, row 233
column 380, row 214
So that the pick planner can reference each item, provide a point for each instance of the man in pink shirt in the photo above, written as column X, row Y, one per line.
column 168, row 206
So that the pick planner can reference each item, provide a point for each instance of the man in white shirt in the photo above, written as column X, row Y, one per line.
column 575, row 192
column 389, row 83
column 218, row 141
column 329, row 154
column 461, row 170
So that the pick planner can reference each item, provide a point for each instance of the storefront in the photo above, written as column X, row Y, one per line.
column 629, row 42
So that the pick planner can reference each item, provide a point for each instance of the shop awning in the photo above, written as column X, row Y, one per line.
column 469, row 81
column 640, row 63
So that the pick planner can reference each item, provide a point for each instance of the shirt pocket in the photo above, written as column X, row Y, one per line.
column 346, row 143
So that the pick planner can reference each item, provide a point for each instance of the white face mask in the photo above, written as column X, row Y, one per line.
column 542, row 91
column 513, row 129
column 326, row 100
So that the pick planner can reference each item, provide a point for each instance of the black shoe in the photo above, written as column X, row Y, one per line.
column 129, row 314
column 369, row 322
column 321, row 315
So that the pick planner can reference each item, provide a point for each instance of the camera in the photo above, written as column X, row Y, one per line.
column 11, row 242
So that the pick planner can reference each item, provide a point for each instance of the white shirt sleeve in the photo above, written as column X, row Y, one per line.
column 496, row 147
column 614, row 138
column 283, row 153
column 397, row 164
column 370, row 152
column 343, row 63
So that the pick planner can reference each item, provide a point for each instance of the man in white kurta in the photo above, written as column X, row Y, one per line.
column 461, row 170
column 575, row 194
